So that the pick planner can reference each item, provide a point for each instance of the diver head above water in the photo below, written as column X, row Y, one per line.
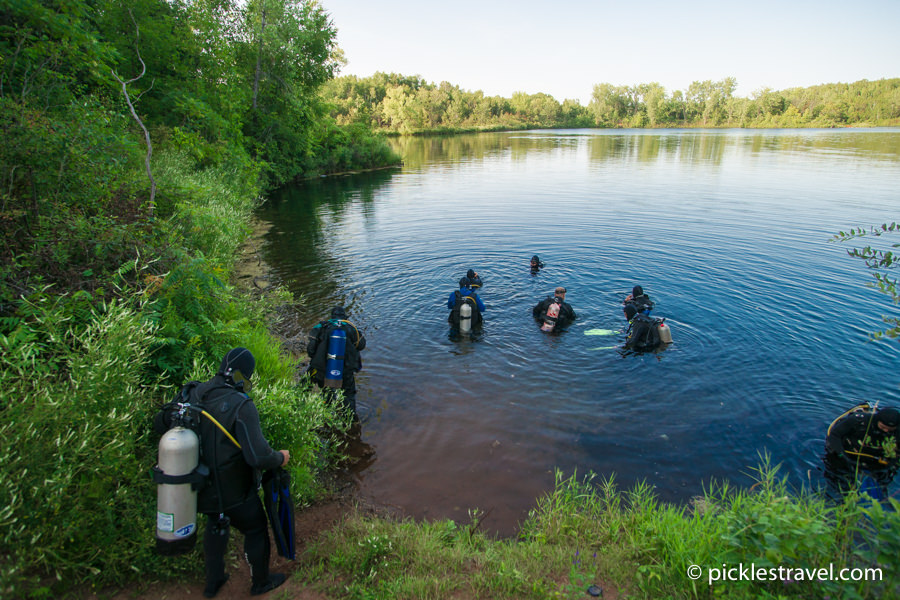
column 474, row 279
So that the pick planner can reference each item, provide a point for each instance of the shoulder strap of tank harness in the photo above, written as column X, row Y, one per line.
column 221, row 428
column 191, row 402
column 865, row 407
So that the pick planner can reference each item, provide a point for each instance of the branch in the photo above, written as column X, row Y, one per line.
column 134, row 114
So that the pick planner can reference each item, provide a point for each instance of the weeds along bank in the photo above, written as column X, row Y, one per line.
column 84, row 371
column 767, row 542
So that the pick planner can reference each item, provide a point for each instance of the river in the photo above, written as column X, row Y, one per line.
column 727, row 231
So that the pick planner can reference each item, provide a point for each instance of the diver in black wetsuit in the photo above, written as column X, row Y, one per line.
column 863, row 442
column 231, row 497
column 639, row 299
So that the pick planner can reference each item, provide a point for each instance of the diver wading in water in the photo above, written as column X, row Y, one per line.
column 645, row 333
column 333, row 348
column 465, row 308
column 862, row 443
column 553, row 312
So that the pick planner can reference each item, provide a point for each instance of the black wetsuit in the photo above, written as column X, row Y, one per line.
column 643, row 333
column 234, row 475
column 855, row 443
column 317, row 349
column 566, row 314
column 642, row 303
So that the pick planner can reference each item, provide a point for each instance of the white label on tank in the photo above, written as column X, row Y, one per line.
column 165, row 521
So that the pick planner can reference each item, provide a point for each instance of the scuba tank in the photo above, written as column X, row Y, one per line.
column 334, row 365
column 551, row 317
column 665, row 333
column 465, row 318
column 179, row 475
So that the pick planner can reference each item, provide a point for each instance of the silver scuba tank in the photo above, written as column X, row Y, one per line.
column 665, row 333
column 176, row 503
column 465, row 318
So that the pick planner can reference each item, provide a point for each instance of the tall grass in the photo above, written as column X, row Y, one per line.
column 74, row 448
column 587, row 532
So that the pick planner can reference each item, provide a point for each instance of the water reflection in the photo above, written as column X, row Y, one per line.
column 647, row 146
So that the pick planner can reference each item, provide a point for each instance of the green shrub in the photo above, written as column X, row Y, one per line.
column 74, row 482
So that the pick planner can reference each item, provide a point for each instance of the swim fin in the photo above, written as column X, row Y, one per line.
column 279, row 505
column 604, row 348
column 600, row 332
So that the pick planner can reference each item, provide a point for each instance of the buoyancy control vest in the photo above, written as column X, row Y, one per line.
column 232, row 480
column 454, row 317
column 201, row 466
column 643, row 304
column 646, row 333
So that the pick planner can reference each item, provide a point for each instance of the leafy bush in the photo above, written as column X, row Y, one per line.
column 74, row 457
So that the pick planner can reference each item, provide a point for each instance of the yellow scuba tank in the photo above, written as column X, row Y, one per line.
column 177, row 475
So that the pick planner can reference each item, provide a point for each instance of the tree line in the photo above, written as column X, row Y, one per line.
column 408, row 104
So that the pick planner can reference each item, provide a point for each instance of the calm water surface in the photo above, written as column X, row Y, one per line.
column 726, row 230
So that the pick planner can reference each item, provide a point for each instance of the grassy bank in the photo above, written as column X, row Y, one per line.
column 85, row 370
column 589, row 533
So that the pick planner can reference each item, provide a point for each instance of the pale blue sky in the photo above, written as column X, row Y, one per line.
column 563, row 48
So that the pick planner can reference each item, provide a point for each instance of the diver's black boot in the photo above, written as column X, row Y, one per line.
column 212, row 588
column 274, row 580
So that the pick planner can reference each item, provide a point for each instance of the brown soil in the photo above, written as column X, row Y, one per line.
column 309, row 523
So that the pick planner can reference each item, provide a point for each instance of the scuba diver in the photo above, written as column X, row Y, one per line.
column 863, row 442
column 536, row 264
column 640, row 300
column 233, row 448
column 645, row 333
column 333, row 348
column 465, row 308
column 553, row 312
column 474, row 279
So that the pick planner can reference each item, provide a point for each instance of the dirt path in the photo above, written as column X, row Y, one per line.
column 309, row 523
